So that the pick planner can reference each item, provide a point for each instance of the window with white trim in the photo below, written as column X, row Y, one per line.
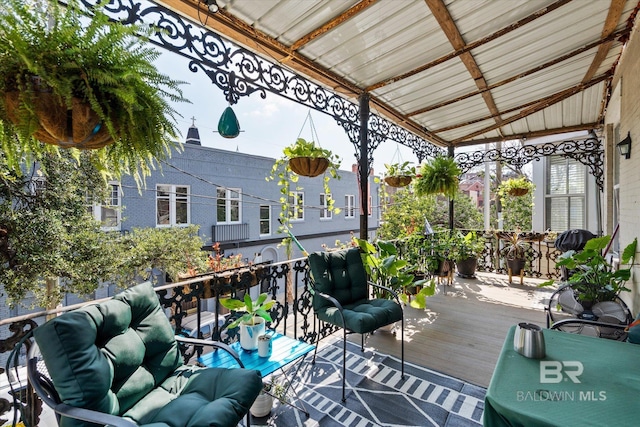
column 349, row 206
column 325, row 213
column 172, row 205
column 565, row 195
column 296, row 205
column 229, row 205
column 109, row 211
column 265, row 220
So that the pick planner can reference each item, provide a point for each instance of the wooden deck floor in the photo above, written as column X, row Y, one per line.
column 462, row 331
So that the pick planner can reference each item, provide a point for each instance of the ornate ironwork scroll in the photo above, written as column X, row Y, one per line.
column 238, row 72
column 587, row 151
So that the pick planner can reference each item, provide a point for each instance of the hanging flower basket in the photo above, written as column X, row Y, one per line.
column 78, row 127
column 398, row 181
column 309, row 166
column 517, row 192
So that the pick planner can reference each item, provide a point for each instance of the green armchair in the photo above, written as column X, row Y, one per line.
column 118, row 363
column 341, row 297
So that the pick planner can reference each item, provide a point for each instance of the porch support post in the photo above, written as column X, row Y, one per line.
column 451, row 154
column 363, row 164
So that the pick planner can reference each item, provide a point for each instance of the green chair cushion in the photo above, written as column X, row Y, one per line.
column 121, row 357
column 339, row 274
column 363, row 317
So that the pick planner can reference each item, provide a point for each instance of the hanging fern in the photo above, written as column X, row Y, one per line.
column 438, row 176
column 45, row 46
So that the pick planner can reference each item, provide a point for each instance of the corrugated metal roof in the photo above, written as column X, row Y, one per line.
column 532, row 77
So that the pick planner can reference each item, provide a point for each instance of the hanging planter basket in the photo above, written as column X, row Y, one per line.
column 398, row 181
column 517, row 192
column 309, row 166
column 78, row 127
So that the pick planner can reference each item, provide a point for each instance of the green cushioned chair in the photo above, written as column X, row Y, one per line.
column 118, row 363
column 341, row 297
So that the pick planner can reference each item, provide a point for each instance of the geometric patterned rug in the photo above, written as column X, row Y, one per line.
column 376, row 394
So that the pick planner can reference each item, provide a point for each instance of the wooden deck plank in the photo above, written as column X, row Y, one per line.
column 461, row 332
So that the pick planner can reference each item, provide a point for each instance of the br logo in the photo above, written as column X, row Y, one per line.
column 552, row 371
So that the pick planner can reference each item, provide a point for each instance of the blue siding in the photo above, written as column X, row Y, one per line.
column 207, row 168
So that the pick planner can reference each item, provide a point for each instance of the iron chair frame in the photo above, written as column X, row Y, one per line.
column 347, row 331
column 44, row 388
column 619, row 332
column 553, row 299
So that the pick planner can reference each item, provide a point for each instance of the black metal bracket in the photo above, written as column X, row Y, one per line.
column 239, row 72
column 587, row 151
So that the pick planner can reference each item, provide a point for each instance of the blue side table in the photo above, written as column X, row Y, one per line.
column 285, row 351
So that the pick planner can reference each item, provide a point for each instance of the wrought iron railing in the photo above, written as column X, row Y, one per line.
column 540, row 255
column 286, row 283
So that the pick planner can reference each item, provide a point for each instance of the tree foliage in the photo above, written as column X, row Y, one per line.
column 517, row 211
column 405, row 215
column 50, row 244
column 46, row 231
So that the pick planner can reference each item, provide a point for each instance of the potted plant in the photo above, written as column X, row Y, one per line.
column 308, row 159
column 77, row 79
column 264, row 402
column 385, row 267
column 593, row 278
column 301, row 158
column 438, row 176
column 438, row 259
column 515, row 249
column 252, row 322
column 515, row 187
column 465, row 250
column 399, row 174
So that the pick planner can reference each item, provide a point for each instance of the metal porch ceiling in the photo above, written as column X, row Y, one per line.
column 455, row 72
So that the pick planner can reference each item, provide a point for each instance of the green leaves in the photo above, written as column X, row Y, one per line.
column 594, row 278
column 284, row 176
column 438, row 176
column 258, row 308
column 399, row 169
column 104, row 63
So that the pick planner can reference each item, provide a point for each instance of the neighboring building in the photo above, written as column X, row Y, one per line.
column 472, row 185
column 227, row 195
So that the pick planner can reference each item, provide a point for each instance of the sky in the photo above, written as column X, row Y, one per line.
column 267, row 125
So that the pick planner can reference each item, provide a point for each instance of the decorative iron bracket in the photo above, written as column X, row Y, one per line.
column 239, row 72
column 587, row 151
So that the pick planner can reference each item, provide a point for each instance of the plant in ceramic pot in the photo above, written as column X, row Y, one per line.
column 438, row 176
column 270, row 389
column 465, row 250
column 515, row 249
column 399, row 174
column 253, row 322
column 79, row 80
column 307, row 159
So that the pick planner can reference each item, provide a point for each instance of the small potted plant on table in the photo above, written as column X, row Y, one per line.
column 253, row 322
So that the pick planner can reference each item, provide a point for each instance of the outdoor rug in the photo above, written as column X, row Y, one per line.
column 376, row 394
